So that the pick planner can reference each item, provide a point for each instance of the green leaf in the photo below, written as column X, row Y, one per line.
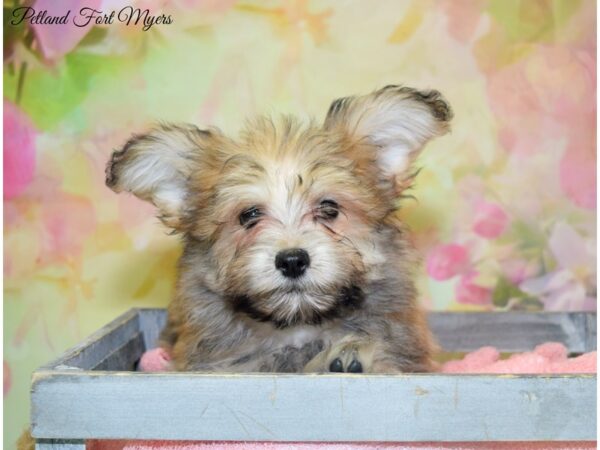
column 504, row 291
column 527, row 236
column 93, row 37
column 12, row 33
column 530, row 20
column 50, row 95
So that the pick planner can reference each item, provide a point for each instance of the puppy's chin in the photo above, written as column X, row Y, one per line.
column 296, row 306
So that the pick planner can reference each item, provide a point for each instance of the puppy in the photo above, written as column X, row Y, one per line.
column 294, row 259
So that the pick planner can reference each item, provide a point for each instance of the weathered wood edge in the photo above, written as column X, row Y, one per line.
column 43, row 375
column 514, row 331
column 125, row 357
column 59, row 444
column 312, row 407
column 591, row 324
column 100, row 344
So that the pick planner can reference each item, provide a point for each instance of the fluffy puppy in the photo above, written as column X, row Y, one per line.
column 294, row 259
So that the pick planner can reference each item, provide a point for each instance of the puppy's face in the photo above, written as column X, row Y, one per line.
column 288, row 215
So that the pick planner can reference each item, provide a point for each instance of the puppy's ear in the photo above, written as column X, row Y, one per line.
column 157, row 167
column 397, row 120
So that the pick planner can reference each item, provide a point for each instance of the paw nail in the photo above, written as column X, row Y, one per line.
column 336, row 365
column 355, row 367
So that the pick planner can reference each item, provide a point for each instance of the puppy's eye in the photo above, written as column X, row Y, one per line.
column 250, row 217
column 328, row 210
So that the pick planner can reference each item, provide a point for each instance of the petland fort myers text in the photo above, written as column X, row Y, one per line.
column 90, row 16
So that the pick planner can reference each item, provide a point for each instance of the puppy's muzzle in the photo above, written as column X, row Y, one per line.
column 293, row 262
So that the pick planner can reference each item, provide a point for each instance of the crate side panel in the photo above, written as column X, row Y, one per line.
column 125, row 357
column 100, row 344
column 315, row 407
column 591, row 332
column 59, row 444
column 152, row 321
column 513, row 331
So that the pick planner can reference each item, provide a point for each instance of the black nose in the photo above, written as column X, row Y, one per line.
column 292, row 262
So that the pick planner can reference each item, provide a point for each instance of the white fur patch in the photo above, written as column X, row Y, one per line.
column 400, row 128
column 159, row 169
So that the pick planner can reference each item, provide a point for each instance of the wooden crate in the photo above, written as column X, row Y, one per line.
column 91, row 392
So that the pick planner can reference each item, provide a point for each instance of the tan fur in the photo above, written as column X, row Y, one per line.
column 26, row 441
column 233, row 309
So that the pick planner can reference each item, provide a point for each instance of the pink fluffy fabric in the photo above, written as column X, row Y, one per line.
column 546, row 358
column 187, row 445
column 155, row 360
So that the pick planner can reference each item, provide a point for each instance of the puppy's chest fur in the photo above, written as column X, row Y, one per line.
column 287, row 350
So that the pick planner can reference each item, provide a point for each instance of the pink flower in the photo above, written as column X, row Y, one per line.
column 467, row 291
column 518, row 270
column 7, row 378
column 57, row 40
column 531, row 108
column 564, row 289
column 19, row 151
column 490, row 220
column 446, row 261
column 577, row 169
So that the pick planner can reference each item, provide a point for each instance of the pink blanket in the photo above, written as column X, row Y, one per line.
column 547, row 358
column 186, row 445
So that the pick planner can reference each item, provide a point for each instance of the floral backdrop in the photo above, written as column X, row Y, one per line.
column 505, row 216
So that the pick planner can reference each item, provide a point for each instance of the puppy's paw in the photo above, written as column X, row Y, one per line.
column 351, row 358
column 350, row 355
